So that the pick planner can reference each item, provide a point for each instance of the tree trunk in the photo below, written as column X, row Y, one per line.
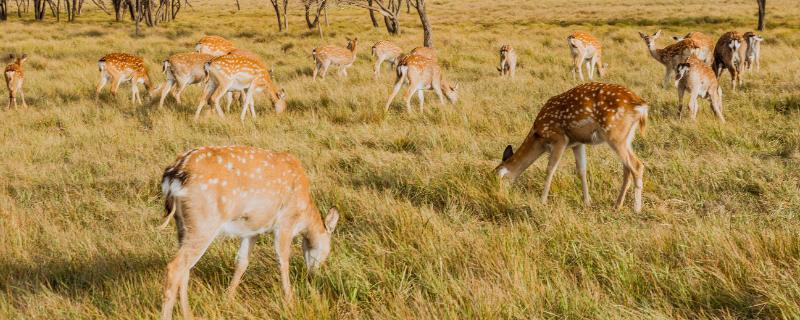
column 372, row 15
column 426, row 25
column 285, row 17
column 3, row 10
column 762, row 8
column 277, row 8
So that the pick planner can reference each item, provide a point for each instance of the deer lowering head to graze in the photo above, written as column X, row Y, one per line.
column 753, row 53
column 729, row 53
column 590, row 113
column 508, row 60
column 705, row 44
column 242, row 192
column 421, row 73
column 328, row 55
column 123, row 67
column 214, row 45
column 426, row 52
column 698, row 78
column 385, row 51
column 671, row 55
column 181, row 70
column 14, row 76
column 586, row 50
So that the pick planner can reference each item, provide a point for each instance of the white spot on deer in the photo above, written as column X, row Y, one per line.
column 203, row 186
column 229, row 166
column 213, row 181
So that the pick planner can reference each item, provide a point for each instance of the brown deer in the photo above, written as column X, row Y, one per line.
column 123, row 67
column 671, row 55
column 242, row 192
column 753, row 52
column 590, row 113
column 586, row 49
column 704, row 42
column 14, row 76
column 385, row 51
column 214, row 45
column 698, row 78
column 326, row 55
column 421, row 73
column 508, row 60
column 729, row 53
column 181, row 70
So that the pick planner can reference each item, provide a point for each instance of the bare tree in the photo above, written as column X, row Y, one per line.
column 372, row 15
column 280, row 13
column 3, row 10
column 762, row 8
column 389, row 9
column 426, row 24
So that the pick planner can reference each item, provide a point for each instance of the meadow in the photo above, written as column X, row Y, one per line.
column 426, row 231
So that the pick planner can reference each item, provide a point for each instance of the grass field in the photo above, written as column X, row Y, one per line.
column 426, row 230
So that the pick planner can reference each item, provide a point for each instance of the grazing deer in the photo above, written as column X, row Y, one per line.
column 385, row 51
column 586, row 49
column 239, row 95
column 214, row 45
column 326, row 55
column 753, row 53
column 729, row 53
column 704, row 42
column 698, row 78
column 238, row 73
column 242, row 192
column 508, row 60
column 590, row 113
column 14, row 76
column 421, row 73
column 672, row 55
column 181, row 70
column 426, row 52
column 123, row 67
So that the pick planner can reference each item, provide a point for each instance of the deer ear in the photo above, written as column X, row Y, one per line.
column 642, row 35
column 23, row 57
column 657, row 34
column 759, row 38
column 282, row 94
column 331, row 219
column 508, row 152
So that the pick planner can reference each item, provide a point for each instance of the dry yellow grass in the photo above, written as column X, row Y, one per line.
column 426, row 231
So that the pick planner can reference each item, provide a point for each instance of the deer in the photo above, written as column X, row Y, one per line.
column 753, row 52
column 243, row 192
column 426, row 52
column 385, row 51
column 729, row 53
column 586, row 50
column 181, row 70
column 704, row 42
column 698, row 78
column 670, row 56
column 214, row 45
column 239, row 73
column 421, row 73
column 123, row 67
column 508, row 60
column 15, row 76
column 588, row 114
column 326, row 55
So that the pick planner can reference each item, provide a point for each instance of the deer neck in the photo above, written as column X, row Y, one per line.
column 655, row 53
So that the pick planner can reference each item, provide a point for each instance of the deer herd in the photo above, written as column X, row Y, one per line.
column 246, row 191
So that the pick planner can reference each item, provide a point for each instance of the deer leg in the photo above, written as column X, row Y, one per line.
column 437, row 88
column 590, row 68
column 316, row 70
column 632, row 167
column 242, row 260
column 577, row 64
column 229, row 98
column 100, row 84
column 325, row 67
column 734, row 76
column 716, row 105
column 680, row 100
column 283, row 247
column 667, row 75
column 693, row 104
column 396, row 89
column 135, row 92
column 210, row 86
column 115, row 82
column 421, row 96
column 555, row 156
column 178, row 90
column 22, row 95
column 580, row 165
column 168, row 86
column 407, row 96
column 178, row 272
column 377, row 69
column 12, row 99
column 216, row 96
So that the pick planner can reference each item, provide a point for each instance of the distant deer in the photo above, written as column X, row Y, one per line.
column 123, row 67
column 671, row 55
column 385, row 51
column 508, row 60
column 421, row 73
column 14, row 76
column 181, row 70
column 586, row 49
column 753, row 52
column 698, row 78
column 243, row 192
column 729, row 53
column 326, row 55
column 426, row 52
column 590, row 113
column 705, row 44
column 214, row 45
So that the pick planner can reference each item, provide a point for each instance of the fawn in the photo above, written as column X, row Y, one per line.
column 508, row 61
column 385, row 51
column 671, row 55
column 214, row 45
column 703, row 42
column 326, row 55
column 753, row 52
column 698, row 78
column 181, row 70
column 586, row 49
column 421, row 73
column 123, row 67
column 14, row 76
column 729, row 53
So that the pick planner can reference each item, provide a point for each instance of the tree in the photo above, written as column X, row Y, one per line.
column 389, row 9
column 3, row 10
column 426, row 24
column 762, row 8
column 280, row 13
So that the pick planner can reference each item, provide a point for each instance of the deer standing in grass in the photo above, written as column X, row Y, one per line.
column 181, row 70
column 328, row 55
column 508, row 60
column 671, row 55
column 242, row 192
column 123, row 67
column 385, row 51
column 15, row 76
column 586, row 50
column 729, row 53
column 590, row 113
column 698, row 78
column 214, row 45
column 703, row 42
column 753, row 53
column 421, row 73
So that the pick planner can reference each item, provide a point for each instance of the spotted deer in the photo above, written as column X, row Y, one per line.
column 426, row 52
column 328, row 55
column 508, row 60
column 704, row 42
column 241, row 192
column 671, row 55
column 14, row 76
column 698, row 78
column 181, row 70
column 385, row 51
column 421, row 73
column 586, row 50
column 753, row 53
column 123, row 67
column 729, row 53
column 214, row 45
column 590, row 113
